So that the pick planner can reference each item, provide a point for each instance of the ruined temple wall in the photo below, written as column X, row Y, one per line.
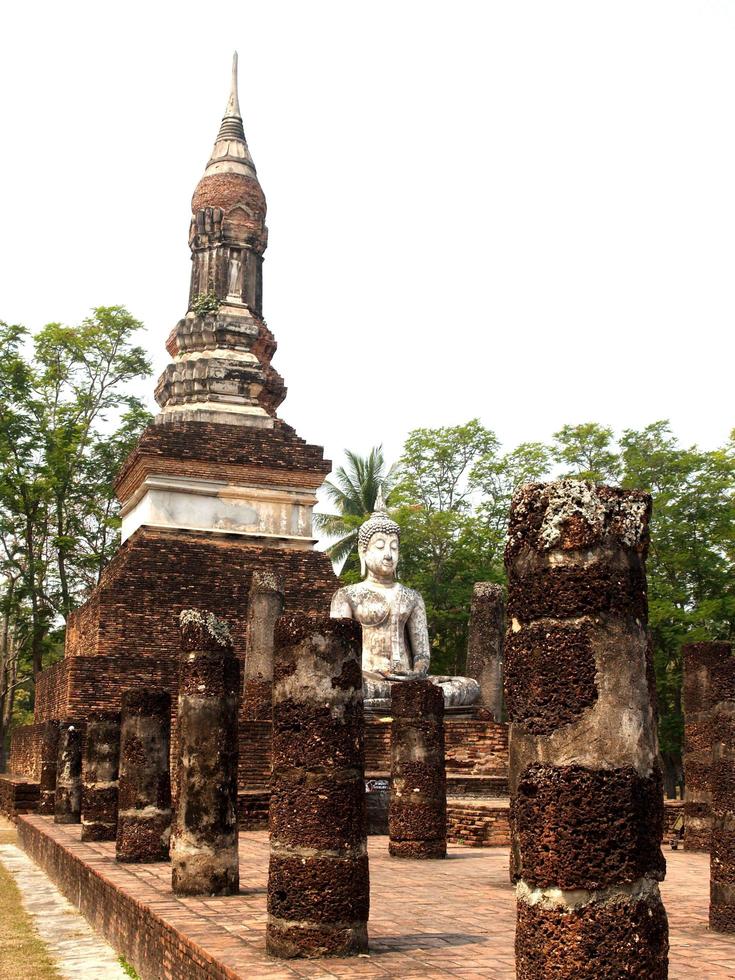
column 474, row 748
column 25, row 751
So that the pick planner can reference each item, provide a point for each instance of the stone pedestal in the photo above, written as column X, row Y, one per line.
column 318, row 885
column 586, row 793
column 204, row 855
column 49, row 759
column 68, row 798
column 485, row 645
column 417, row 816
column 100, row 777
column 144, row 814
column 699, row 659
column 266, row 605
column 722, row 855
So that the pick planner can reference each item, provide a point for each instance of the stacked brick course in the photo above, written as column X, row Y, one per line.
column 722, row 856
column 700, row 659
column 586, row 793
column 100, row 770
column 144, row 804
column 204, row 855
column 318, row 886
column 417, row 815
column 68, row 799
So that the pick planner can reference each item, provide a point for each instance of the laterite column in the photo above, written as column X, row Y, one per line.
column 485, row 645
column 699, row 660
column 144, row 804
column 264, row 608
column 417, row 814
column 318, row 884
column 49, row 761
column 68, row 798
column 722, row 855
column 100, row 777
column 586, row 791
column 204, row 857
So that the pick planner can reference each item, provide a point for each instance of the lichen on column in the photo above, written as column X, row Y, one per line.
column 144, row 804
column 722, row 854
column 265, row 605
column 586, row 790
column 417, row 814
column 485, row 644
column 100, row 776
column 204, row 844
column 68, row 798
column 318, row 884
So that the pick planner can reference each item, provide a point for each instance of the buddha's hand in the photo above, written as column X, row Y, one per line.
column 421, row 668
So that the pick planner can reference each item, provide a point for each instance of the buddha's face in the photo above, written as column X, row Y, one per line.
column 381, row 554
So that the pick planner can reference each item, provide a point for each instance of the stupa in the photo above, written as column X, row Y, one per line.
column 218, row 487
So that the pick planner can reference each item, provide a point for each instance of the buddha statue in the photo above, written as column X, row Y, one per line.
column 395, row 637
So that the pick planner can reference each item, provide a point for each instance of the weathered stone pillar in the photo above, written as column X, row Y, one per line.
column 485, row 644
column 417, row 815
column 699, row 660
column 586, row 793
column 722, row 855
column 144, row 805
column 100, row 777
column 68, row 798
column 49, row 760
column 204, row 857
column 318, row 885
column 265, row 606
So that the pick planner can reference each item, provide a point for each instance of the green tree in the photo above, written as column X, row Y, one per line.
column 587, row 452
column 67, row 421
column 445, row 548
column 353, row 491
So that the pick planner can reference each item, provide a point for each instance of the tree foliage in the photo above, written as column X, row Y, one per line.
column 452, row 497
column 67, row 421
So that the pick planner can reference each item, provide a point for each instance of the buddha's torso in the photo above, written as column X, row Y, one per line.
column 383, row 614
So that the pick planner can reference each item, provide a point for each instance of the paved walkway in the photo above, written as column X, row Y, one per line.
column 79, row 953
column 452, row 918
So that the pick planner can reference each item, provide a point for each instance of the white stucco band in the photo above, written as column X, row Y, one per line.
column 281, row 516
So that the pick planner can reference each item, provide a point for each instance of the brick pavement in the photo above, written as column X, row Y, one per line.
column 450, row 918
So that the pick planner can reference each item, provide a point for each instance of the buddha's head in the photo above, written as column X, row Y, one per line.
column 378, row 542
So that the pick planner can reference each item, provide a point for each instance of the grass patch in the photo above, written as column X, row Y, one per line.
column 130, row 970
column 22, row 953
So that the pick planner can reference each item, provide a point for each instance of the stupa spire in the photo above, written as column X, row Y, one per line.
column 231, row 126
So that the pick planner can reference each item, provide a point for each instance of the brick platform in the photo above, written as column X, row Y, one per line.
column 18, row 794
column 478, row 823
column 452, row 918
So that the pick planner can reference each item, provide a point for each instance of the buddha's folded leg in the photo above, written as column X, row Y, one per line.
column 458, row 690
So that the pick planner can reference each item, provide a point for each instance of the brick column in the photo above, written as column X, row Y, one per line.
column 49, row 759
column 699, row 660
column 100, row 777
column 586, row 792
column 318, row 885
column 485, row 644
column 204, row 857
column 265, row 606
column 722, row 855
column 417, row 815
column 144, row 813
column 68, row 798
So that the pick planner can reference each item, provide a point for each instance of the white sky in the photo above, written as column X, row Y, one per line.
column 522, row 211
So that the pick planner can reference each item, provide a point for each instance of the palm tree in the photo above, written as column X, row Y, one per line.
column 353, row 490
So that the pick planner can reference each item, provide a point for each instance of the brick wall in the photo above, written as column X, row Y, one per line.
column 473, row 748
column 25, row 751
column 154, row 947
column 17, row 795
column 478, row 823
